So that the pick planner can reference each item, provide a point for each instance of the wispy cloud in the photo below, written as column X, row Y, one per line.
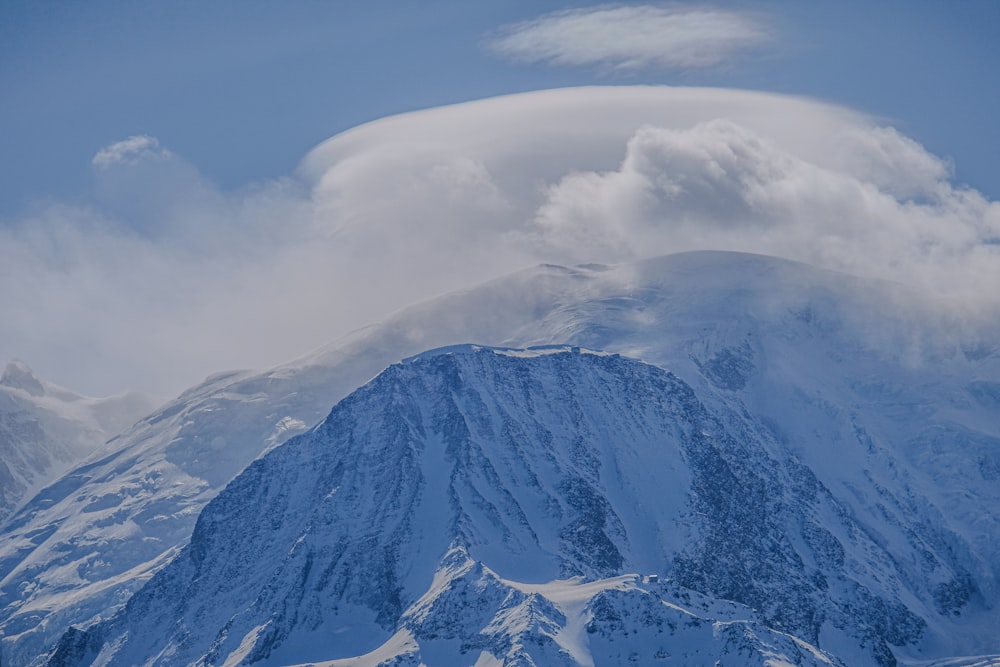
column 628, row 38
column 136, row 147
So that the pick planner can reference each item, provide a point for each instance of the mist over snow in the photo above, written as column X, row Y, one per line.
column 165, row 278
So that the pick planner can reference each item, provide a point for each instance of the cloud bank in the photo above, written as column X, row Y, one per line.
column 167, row 279
column 630, row 38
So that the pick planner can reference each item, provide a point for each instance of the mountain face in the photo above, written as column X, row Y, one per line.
column 77, row 550
column 476, row 504
column 44, row 430
column 888, row 401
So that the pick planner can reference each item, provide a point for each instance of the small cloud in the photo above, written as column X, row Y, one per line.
column 136, row 147
column 146, row 188
column 631, row 38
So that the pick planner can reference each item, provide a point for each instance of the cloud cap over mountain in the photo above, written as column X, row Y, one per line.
column 167, row 277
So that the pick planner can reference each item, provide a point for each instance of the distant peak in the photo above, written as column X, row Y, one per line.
column 18, row 375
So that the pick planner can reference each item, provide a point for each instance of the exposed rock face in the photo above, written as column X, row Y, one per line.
column 423, row 492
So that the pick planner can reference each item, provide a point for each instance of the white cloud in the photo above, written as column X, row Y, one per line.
column 170, row 279
column 721, row 185
column 628, row 38
column 894, row 162
column 136, row 147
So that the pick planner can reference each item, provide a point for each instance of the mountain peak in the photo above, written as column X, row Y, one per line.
column 541, row 466
column 534, row 351
column 18, row 375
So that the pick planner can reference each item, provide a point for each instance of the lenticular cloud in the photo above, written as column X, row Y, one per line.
column 168, row 278
column 631, row 38
column 612, row 174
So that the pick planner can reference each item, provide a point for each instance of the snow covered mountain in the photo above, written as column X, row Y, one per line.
column 80, row 547
column 45, row 430
column 888, row 401
column 426, row 519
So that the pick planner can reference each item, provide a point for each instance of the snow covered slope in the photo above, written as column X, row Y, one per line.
column 862, row 382
column 536, row 466
column 45, row 429
column 79, row 548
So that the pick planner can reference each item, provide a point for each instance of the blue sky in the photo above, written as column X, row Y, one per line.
column 243, row 89
column 172, row 205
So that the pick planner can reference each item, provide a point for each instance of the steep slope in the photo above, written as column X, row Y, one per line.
column 540, row 465
column 80, row 547
column 848, row 375
column 45, row 430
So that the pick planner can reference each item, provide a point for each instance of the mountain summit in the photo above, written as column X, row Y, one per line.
column 17, row 375
column 480, row 504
